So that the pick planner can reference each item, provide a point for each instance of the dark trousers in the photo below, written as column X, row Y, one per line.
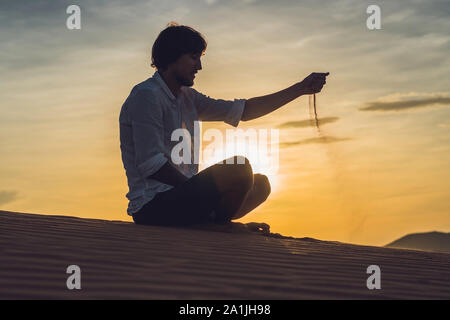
column 194, row 201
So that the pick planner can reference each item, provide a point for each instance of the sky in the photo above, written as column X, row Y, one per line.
column 376, row 169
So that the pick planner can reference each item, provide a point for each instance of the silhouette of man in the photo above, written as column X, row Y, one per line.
column 164, row 193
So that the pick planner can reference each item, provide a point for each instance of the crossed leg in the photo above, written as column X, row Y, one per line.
column 256, row 195
column 241, row 190
column 231, row 190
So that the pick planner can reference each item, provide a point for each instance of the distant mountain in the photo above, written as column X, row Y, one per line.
column 431, row 241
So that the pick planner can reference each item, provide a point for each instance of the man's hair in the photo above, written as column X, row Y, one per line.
column 174, row 41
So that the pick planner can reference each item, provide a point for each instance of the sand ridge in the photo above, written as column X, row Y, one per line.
column 121, row 260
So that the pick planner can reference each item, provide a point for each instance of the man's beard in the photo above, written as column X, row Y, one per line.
column 185, row 82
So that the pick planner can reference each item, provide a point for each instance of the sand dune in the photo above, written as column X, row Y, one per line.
column 120, row 260
column 430, row 241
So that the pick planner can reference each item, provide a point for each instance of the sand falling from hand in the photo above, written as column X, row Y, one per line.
column 340, row 177
column 311, row 115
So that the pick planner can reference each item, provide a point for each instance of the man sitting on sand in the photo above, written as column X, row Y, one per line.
column 163, row 193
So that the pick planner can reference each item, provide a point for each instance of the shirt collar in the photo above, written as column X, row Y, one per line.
column 160, row 80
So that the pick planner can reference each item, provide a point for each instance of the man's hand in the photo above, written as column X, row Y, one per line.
column 170, row 175
column 313, row 83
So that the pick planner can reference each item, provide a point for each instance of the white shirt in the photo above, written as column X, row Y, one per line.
column 147, row 119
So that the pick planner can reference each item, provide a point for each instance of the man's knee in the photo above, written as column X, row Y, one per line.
column 234, row 173
column 264, row 184
column 242, row 171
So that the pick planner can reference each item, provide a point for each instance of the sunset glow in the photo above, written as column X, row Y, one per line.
column 377, row 167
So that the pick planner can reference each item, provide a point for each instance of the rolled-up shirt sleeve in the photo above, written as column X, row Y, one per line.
column 209, row 109
column 148, row 132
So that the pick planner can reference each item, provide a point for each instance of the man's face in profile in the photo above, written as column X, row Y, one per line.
column 186, row 67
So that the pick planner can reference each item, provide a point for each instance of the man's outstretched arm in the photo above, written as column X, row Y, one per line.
column 260, row 106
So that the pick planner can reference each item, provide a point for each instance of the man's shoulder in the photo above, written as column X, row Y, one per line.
column 147, row 88
column 143, row 95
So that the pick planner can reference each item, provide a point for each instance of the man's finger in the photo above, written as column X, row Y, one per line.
column 316, row 89
column 322, row 74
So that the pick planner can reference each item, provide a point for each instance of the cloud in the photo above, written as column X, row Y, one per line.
column 307, row 123
column 324, row 139
column 8, row 196
column 404, row 104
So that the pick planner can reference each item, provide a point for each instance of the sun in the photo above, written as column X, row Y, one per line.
column 260, row 159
